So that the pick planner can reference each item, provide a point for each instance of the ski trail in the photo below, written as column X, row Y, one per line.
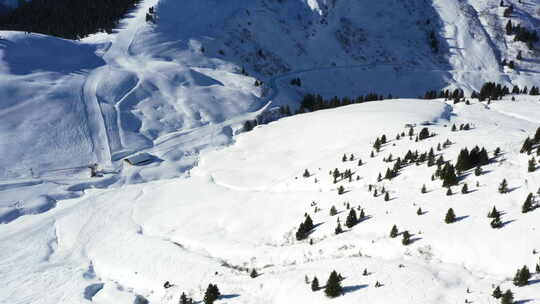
column 96, row 121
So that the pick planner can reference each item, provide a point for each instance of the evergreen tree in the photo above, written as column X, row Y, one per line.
column 365, row 273
column 341, row 190
column 306, row 173
column 423, row 190
column 503, row 187
column 377, row 145
column 338, row 229
column 253, row 274
column 386, row 197
column 532, row 165
column 344, row 158
column 450, row 216
column 522, row 276
column 448, row 176
column 315, row 284
column 497, row 293
column 478, row 171
column 527, row 145
column 406, row 240
column 212, row 294
column 507, row 297
column 449, row 191
column 424, row 133
column 496, row 221
column 333, row 211
column 394, row 232
column 351, row 219
column 419, row 211
column 362, row 214
column 454, row 129
column 528, row 204
column 465, row 189
column 359, row 162
column 333, row 286
column 494, row 213
column 304, row 229
column 183, row 299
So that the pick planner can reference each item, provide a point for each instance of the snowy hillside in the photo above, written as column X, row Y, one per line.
column 242, row 205
column 174, row 85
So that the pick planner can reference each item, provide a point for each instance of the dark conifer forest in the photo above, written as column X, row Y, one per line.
column 66, row 18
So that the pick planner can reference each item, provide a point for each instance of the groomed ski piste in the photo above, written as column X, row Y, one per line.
column 215, row 203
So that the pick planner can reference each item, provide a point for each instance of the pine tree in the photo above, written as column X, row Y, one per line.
column 344, row 158
column 351, row 219
column 494, row 213
column 419, row 211
column 423, row 190
column 341, row 190
column 365, row 273
column 333, row 286
column 522, row 276
column 304, row 229
column 465, row 189
column 253, row 274
column 306, row 173
column 478, row 171
column 527, row 145
column 454, row 129
column 532, row 165
column 338, row 229
column 359, row 162
column 212, row 293
column 333, row 211
column 183, row 299
column 406, row 238
column 497, row 293
column 449, row 191
column 507, row 297
column 424, row 133
column 315, row 284
column 394, row 232
column 448, row 176
column 362, row 214
column 503, row 187
column 377, row 144
column 450, row 216
column 528, row 204
column 496, row 221
column 386, row 197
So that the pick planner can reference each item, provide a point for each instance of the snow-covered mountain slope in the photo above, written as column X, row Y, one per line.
column 182, row 87
column 133, row 90
column 242, row 205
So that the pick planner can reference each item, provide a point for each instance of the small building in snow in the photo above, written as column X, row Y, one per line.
column 140, row 159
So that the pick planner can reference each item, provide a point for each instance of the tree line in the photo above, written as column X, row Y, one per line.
column 66, row 18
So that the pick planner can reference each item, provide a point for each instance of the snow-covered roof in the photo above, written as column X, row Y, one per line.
column 139, row 159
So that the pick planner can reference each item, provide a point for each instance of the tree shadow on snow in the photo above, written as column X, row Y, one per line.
column 353, row 288
column 461, row 218
column 513, row 189
column 532, row 282
column 507, row 222
column 229, row 296
column 523, row 301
